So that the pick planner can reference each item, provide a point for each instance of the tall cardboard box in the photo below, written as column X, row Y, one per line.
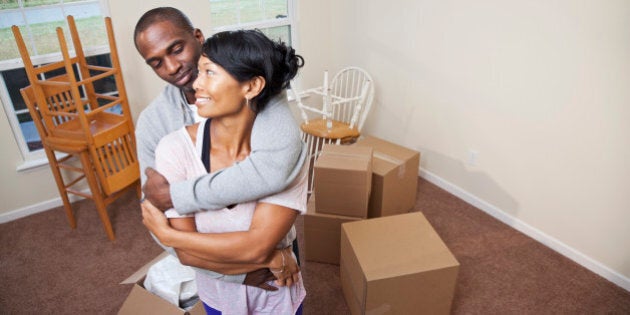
column 396, row 265
column 141, row 301
column 343, row 180
column 395, row 177
column 322, row 234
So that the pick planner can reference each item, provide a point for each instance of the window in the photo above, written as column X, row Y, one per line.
column 38, row 20
column 275, row 18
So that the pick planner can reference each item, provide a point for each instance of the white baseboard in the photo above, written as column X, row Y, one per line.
column 36, row 208
column 556, row 245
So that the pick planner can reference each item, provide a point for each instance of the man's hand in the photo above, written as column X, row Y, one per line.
column 259, row 278
column 157, row 190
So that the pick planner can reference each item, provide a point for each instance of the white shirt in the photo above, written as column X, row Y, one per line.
column 177, row 158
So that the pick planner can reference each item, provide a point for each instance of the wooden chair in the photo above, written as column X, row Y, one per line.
column 346, row 102
column 62, row 155
column 102, row 140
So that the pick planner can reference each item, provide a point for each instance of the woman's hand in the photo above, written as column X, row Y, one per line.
column 284, row 267
column 154, row 220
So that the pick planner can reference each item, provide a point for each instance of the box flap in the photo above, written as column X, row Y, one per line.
column 141, row 301
column 387, row 148
column 143, row 270
column 387, row 155
column 397, row 245
column 345, row 157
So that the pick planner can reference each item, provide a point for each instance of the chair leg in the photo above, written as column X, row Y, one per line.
column 97, row 195
column 310, row 160
column 139, row 190
column 315, row 145
column 61, row 186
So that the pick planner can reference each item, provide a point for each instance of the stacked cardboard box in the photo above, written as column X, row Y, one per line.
column 396, row 265
column 343, row 180
column 322, row 234
column 395, row 177
column 369, row 179
column 391, row 261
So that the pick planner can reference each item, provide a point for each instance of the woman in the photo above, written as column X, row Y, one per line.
column 240, row 73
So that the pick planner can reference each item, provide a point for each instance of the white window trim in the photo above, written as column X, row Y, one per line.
column 34, row 163
column 258, row 24
column 293, row 21
column 15, row 125
column 37, row 158
column 288, row 21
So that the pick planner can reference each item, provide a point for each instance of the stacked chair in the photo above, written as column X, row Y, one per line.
column 346, row 102
column 75, row 122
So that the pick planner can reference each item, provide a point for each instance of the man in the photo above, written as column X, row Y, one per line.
column 167, row 41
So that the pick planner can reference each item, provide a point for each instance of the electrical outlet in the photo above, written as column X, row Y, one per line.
column 473, row 157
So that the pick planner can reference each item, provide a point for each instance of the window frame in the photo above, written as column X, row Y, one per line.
column 37, row 157
column 289, row 21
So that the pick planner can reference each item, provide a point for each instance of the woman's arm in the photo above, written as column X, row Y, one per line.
column 280, row 262
column 188, row 224
column 269, row 225
column 276, row 263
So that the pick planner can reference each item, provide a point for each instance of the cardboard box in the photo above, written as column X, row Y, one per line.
column 322, row 234
column 396, row 265
column 395, row 177
column 141, row 301
column 343, row 180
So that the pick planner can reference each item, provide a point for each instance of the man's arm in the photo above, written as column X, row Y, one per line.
column 165, row 114
column 277, row 156
column 145, row 146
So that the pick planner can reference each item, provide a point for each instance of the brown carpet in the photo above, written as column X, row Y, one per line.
column 47, row 268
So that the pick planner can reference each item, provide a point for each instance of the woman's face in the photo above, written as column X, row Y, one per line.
column 217, row 93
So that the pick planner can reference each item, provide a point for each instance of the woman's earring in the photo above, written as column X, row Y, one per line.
column 247, row 101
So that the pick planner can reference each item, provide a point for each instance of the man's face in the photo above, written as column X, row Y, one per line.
column 171, row 52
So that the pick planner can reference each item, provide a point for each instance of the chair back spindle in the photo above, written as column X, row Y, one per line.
column 346, row 101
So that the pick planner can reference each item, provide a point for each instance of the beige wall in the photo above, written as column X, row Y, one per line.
column 20, row 189
column 537, row 88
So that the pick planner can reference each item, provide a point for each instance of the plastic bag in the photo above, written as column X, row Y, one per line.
column 172, row 281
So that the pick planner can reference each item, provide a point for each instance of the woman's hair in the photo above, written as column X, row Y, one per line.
column 246, row 54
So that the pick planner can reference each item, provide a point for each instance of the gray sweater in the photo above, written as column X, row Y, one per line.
column 277, row 155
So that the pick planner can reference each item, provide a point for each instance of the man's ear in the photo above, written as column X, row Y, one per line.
column 254, row 87
column 199, row 36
